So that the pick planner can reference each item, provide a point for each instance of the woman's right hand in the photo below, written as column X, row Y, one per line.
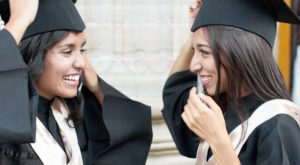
column 194, row 8
column 22, row 14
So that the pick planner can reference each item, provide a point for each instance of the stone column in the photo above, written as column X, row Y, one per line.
column 132, row 44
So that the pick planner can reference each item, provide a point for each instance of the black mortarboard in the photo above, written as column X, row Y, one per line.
column 256, row 16
column 52, row 15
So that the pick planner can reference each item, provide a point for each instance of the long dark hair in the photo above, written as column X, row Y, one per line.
column 249, row 63
column 33, row 50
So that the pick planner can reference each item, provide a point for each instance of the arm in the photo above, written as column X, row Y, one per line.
column 92, row 83
column 118, row 127
column 175, row 95
column 22, row 15
column 18, row 99
column 184, row 58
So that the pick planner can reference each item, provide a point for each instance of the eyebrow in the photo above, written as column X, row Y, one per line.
column 72, row 45
column 202, row 45
column 84, row 42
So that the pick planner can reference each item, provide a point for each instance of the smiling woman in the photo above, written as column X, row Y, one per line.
column 245, row 116
column 54, row 108
column 64, row 63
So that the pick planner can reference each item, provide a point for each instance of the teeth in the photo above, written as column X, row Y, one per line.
column 205, row 78
column 72, row 78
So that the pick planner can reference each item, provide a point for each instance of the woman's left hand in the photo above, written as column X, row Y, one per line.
column 91, row 81
column 204, row 117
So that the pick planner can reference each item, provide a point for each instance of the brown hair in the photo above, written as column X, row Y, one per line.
column 248, row 63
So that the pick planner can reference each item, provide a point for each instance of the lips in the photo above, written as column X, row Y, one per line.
column 205, row 79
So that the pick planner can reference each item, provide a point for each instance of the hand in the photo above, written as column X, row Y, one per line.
column 91, row 81
column 23, row 10
column 194, row 8
column 204, row 117
column 22, row 14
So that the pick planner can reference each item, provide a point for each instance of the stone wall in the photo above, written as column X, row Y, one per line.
column 132, row 44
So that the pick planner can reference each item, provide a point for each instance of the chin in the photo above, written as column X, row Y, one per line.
column 68, row 94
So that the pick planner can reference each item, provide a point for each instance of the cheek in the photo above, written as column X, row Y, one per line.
column 50, row 76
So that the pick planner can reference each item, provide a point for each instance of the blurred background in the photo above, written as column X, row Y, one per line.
column 132, row 44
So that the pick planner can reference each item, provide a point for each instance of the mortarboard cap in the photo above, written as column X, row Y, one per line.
column 52, row 15
column 256, row 16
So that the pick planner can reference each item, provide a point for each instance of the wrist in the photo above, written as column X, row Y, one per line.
column 220, row 141
column 224, row 152
column 99, row 94
column 19, row 21
column 17, row 29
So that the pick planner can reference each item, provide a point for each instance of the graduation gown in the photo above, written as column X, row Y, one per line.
column 117, row 132
column 275, row 141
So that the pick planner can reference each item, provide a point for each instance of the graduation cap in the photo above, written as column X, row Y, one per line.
column 256, row 16
column 52, row 15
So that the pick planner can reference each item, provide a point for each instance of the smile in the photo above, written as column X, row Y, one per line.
column 206, row 80
column 72, row 80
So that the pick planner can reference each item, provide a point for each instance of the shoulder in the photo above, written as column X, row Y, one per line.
column 282, row 122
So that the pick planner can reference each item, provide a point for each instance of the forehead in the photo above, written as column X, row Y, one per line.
column 73, row 37
column 200, row 37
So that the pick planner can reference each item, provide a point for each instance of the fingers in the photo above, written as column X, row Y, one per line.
column 190, row 119
column 196, row 101
column 193, row 110
column 211, row 104
column 198, row 3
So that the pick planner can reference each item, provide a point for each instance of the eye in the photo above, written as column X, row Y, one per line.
column 204, row 53
column 83, row 50
column 67, row 52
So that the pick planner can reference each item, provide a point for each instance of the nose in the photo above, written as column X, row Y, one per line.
column 79, row 62
column 195, row 65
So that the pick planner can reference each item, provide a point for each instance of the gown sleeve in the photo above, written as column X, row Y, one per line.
column 18, row 100
column 175, row 95
column 119, row 131
column 280, row 144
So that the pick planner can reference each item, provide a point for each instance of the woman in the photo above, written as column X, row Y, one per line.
column 245, row 116
column 48, row 116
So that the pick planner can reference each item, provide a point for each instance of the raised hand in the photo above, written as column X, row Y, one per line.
column 22, row 14
column 91, row 81
column 204, row 117
column 194, row 8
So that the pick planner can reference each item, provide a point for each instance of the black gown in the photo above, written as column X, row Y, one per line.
column 276, row 141
column 117, row 132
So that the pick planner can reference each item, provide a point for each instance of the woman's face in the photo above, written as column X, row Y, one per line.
column 203, row 63
column 64, row 63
